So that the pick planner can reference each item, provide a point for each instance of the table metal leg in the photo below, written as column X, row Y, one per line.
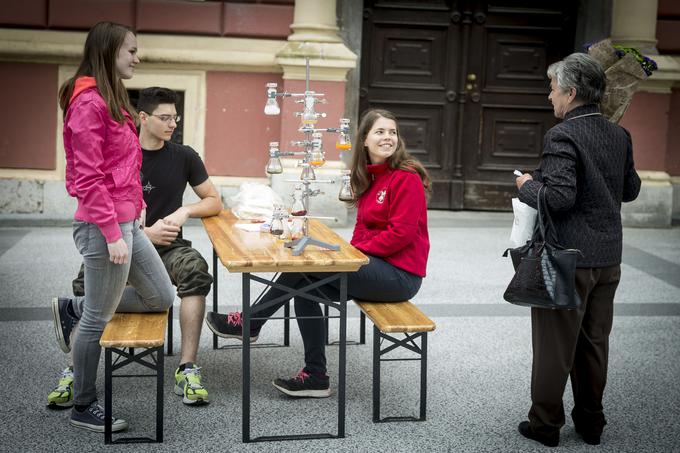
column 246, row 316
column 342, row 356
column 245, row 391
column 214, row 290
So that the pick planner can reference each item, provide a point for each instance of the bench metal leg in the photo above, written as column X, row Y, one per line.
column 408, row 342
column 362, row 328
column 124, row 358
column 376, row 375
column 168, row 342
column 215, row 270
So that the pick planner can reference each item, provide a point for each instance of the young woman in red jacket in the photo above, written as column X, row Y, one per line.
column 391, row 189
column 103, row 161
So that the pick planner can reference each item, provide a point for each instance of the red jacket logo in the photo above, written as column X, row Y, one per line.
column 381, row 196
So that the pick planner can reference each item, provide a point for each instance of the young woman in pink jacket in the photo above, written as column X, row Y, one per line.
column 103, row 162
column 391, row 190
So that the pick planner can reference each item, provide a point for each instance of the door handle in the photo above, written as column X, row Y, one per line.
column 471, row 87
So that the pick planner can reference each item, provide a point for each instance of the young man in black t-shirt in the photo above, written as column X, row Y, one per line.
column 167, row 167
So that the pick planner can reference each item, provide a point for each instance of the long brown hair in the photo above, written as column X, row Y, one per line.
column 400, row 159
column 99, row 61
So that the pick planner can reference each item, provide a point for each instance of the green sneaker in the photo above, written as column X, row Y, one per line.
column 62, row 395
column 188, row 385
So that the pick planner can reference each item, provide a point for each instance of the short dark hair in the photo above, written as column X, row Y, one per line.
column 582, row 72
column 150, row 98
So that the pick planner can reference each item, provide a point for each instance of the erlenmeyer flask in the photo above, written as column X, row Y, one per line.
column 274, row 166
column 271, row 107
column 343, row 143
column 307, row 172
column 346, row 192
column 277, row 225
column 298, row 208
column 316, row 156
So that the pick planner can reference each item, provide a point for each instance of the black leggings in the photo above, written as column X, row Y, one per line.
column 377, row 281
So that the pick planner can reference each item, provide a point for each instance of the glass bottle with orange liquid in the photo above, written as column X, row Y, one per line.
column 343, row 143
column 316, row 157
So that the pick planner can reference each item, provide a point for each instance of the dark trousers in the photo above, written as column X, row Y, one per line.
column 377, row 281
column 573, row 343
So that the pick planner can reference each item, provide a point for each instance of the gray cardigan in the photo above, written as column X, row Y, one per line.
column 588, row 170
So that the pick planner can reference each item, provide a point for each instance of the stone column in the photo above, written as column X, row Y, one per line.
column 634, row 24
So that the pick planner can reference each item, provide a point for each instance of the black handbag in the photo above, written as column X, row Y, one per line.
column 545, row 272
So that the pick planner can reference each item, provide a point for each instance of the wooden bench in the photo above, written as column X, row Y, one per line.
column 124, row 333
column 398, row 317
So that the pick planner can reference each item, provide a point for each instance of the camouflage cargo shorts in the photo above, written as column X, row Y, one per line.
column 187, row 268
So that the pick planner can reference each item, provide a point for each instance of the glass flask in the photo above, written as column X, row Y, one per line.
column 296, row 229
column 271, row 107
column 307, row 172
column 344, row 142
column 298, row 208
column 277, row 225
column 316, row 157
column 346, row 192
column 274, row 166
column 308, row 114
column 285, row 233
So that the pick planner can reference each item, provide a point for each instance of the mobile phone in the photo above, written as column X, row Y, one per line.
column 517, row 173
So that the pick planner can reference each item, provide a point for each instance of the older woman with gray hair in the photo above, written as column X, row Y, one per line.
column 587, row 170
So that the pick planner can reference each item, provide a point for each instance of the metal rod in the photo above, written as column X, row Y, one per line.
column 159, row 394
column 376, row 374
column 423, row 375
column 343, row 354
column 286, row 324
column 108, row 383
column 214, row 290
column 169, row 340
column 245, row 391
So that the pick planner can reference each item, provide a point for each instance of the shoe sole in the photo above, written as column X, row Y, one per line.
column 99, row 429
column 57, row 326
column 304, row 393
column 179, row 391
column 54, row 404
column 226, row 335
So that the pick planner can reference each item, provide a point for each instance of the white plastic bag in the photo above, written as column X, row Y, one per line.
column 255, row 201
column 523, row 223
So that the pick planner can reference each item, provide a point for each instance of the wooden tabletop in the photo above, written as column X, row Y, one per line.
column 243, row 251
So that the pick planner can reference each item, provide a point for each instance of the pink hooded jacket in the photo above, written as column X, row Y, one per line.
column 103, row 162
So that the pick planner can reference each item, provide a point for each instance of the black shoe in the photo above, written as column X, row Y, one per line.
column 589, row 438
column 548, row 440
column 63, row 322
column 304, row 385
column 228, row 325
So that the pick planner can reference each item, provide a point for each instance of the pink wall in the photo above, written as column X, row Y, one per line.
column 257, row 19
column 647, row 120
column 237, row 132
column 28, row 119
column 334, row 92
column 673, row 143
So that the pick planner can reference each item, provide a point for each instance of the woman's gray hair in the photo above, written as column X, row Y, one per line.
column 582, row 72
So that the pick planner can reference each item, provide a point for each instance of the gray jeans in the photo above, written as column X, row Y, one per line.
column 150, row 290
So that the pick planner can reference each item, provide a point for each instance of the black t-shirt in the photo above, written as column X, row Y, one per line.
column 165, row 174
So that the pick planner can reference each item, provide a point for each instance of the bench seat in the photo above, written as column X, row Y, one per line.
column 124, row 333
column 398, row 318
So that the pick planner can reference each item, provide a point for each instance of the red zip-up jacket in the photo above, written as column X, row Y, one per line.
column 103, row 161
column 392, row 219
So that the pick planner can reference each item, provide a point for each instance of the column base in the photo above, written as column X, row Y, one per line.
column 654, row 206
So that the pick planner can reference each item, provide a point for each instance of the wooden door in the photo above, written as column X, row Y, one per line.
column 466, row 79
